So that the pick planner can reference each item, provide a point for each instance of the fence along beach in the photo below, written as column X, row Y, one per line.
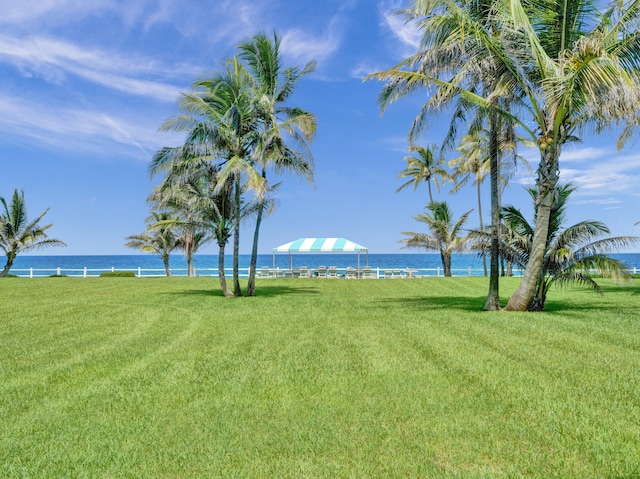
column 401, row 265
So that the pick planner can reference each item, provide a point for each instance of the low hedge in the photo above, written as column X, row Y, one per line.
column 118, row 274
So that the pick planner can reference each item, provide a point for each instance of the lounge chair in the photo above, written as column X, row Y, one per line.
column 397, row 273
column 304, row 272
column 321, row 272
column 351, row 273
column 366, row 273
column 333, row 272
column 264, row 272
column 388, row 274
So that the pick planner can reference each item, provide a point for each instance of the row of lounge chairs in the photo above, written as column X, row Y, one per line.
column 319, row 272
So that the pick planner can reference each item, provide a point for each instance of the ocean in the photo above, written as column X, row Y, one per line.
column 426, row 264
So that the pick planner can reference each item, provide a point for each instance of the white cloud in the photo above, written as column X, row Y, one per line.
column 300, row 45
column 81, row 130
column 584, row 154
column 51, row 12
column 405, row 31
column 54, row 60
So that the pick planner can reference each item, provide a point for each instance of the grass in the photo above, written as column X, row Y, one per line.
column 163, row 377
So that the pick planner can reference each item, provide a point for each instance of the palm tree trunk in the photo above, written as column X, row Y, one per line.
column 223, row 280
column 251, row 287
column 547, row 181
column 237, row 290
column 6, row 269
column 493, row 297
column 165, row 260
column 446, row 263
column 484, row 258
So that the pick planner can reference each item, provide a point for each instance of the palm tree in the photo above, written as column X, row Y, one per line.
column 160, row 238
column 209, row 206
column 425, row 167
column 445, row 233
column 221, row 122
column 571, row 254
column 273, row 87
column 473, row 163
column 568, row 78
column 175, row 194
column 461, row 69
column 18, row 234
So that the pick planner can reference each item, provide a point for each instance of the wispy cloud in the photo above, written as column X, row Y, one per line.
column 404, row 31
column 55, row 12
column 55, row 60
column 80, row 130
column 300, row 45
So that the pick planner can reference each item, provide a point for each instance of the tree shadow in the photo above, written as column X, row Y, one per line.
column 262, row 291
column 434, row 303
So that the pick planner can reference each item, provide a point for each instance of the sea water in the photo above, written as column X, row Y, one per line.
column 146, row 265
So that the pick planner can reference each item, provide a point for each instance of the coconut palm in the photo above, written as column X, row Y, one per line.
column 461, row 69
column 286, row 131
column 569, row 78
column 175, row 194
column 426, row 166
column 445, row 237
column 191, row 186
column 18, row 234
column 221, row 122
column 160, row 238
column 473, row 163
column 571, row 254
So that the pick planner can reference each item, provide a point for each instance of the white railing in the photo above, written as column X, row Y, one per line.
column 341, row 272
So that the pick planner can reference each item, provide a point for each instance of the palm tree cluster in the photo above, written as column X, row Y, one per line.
column 572, row 254
column 239, row 129
column 18, row 234
column 550, row 70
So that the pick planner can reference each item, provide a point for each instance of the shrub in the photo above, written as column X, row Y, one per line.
column 118, row 274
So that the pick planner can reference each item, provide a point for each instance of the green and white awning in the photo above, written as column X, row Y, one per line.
column 320, row 245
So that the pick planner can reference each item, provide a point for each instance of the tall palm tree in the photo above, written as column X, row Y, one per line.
column 18, row 234
column 221, row 122
column 445, row 237
column 286, row 131
column 571, row 254
column 426, row 166
column 473, row 163
column 569, row 79
column 455, row 62
column 160, row 238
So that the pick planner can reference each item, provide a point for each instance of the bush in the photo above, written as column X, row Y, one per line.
column 58, row 276
column 118, row 274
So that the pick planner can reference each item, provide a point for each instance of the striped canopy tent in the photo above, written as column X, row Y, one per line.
column 320, row 245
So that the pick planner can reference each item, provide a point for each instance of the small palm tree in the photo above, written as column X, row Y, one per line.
column 445, row 233
column 18, row 234
column 161, row 240
column 571, row 254
column 427, row 166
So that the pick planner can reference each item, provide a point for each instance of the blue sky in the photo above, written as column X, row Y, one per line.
column 85, row 85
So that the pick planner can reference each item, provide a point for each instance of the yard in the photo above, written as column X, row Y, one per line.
column 163, row 377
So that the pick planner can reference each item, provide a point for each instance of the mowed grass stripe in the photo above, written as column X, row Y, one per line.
column 399, row 378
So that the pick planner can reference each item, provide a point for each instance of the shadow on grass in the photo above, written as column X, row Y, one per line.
column 431, row 303
column 262, row 291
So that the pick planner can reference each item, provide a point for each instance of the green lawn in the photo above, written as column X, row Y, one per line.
column 128, row 377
